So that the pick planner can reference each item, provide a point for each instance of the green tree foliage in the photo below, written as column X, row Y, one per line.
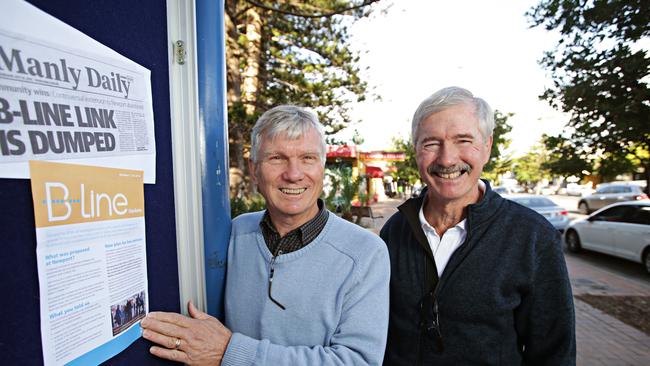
column 529, row 169
column 408, row 169
column 611, row 165
column 564, row 159
column 285, row 51
column 499, row 163
column 600, row 74
column 240, row 205
column 343, row 191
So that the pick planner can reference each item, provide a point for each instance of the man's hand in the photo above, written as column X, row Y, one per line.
column 199, row 340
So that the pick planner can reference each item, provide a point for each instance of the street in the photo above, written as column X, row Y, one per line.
column 601, row 338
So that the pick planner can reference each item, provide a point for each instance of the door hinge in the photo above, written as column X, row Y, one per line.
column 180, row 52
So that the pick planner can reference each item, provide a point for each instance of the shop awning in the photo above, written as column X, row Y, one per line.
column 374, row 172
column 341, row 151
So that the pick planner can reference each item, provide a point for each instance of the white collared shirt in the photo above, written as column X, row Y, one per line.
column 443, row 248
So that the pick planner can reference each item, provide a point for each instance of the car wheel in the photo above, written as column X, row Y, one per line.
column 583, row 207
column 573, row 241
column 646, row 260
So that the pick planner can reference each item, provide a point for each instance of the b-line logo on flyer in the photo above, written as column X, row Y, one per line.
column 91, row 205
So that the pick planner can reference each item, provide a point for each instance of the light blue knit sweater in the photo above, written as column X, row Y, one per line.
column 335, row 291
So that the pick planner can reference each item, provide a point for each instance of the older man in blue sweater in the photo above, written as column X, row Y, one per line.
column 303, row 287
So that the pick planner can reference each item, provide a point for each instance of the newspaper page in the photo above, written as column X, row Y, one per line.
column 62, row 104
column 91, row 259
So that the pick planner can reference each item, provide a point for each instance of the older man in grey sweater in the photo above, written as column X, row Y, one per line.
column 303, row 287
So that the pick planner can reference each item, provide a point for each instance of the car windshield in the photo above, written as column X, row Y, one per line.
column 534, row 201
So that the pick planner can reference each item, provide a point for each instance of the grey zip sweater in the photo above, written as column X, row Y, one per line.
column 504, row 298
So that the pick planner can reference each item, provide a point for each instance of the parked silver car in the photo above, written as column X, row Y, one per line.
column 556, row 215
column 609, row 193
column 621, row 229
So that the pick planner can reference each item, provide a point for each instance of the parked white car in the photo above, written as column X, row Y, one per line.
column 621, row 229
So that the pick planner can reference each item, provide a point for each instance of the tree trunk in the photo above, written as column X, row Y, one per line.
column 646, row 173
column 253, row 50
column 233, row 78
column 243, row 43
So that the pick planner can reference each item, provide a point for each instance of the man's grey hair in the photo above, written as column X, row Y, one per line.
column 449, row 97
column 291, row 120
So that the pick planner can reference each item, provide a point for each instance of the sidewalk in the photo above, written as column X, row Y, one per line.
column 385, row 208
column 602, row 340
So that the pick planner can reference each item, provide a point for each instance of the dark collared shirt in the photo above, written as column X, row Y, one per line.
column 297, row 238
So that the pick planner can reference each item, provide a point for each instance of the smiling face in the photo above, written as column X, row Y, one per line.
column 451, row 153
column 289, row 174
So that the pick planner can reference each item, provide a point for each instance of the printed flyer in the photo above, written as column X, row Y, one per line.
column 63, row 104
column 91, row 257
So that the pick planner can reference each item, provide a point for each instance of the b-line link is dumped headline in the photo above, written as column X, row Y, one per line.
column 12, row 142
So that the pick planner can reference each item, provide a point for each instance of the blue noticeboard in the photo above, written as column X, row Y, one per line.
column 138, row 31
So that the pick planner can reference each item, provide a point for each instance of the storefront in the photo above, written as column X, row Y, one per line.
column 378, row 166
column 375, row 166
